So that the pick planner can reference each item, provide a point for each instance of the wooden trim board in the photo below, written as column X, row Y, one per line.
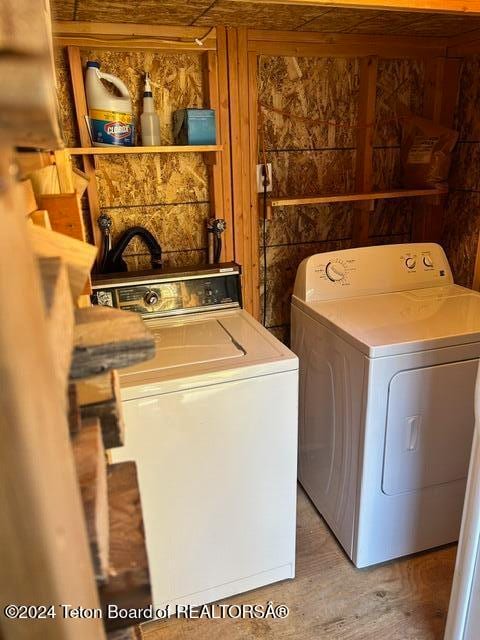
column 364, row 148
column 356, row 197
column 440, row 93
column 239, row 214
column 344, row 50
column 223, row 123
column 345, row 39
column 76, row 74
column 245, row 167
column 210, row 87
column 253, row 204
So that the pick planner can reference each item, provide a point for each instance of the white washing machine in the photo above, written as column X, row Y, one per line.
column 388, row 348
column 211, row 422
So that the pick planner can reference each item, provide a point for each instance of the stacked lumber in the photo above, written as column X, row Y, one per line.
column 53, row 180
column 110, row 494
column 25, row 196
column 88, row 345
column 59, row 314
column 100, row 397
column 28, row 110
column 128, row 583
column 60, row 479
column 107, row 338
column 41, row 218
column 44, row 551
column 92, row 476
column 77, row 255
column 73, row 413
column 65, row 213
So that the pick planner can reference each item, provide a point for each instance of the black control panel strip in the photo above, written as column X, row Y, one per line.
column 171, row 294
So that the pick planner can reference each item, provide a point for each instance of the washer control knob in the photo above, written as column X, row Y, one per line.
column 151, row 298
column 427, row 261
column 335, row 271
column 410, row 263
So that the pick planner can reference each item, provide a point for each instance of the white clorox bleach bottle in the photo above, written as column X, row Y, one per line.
column 111, row 119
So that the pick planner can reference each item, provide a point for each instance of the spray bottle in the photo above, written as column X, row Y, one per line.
column 149, row 118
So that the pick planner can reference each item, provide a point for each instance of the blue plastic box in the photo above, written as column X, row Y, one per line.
column 194, row 126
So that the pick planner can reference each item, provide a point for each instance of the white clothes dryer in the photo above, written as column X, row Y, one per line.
column 388, row 348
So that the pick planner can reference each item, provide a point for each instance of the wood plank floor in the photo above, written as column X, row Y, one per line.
column 330, row 599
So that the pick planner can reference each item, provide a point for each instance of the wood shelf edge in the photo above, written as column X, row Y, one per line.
column 106, row 151
column 356, row 197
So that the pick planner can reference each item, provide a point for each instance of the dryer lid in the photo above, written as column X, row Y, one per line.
column 402, row 322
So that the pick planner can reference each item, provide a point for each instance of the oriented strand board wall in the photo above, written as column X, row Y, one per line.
column 399, row 80
column 167, row 194
column 310, row 159
column 462, row 224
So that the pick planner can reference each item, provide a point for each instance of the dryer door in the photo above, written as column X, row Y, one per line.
column 429, row 427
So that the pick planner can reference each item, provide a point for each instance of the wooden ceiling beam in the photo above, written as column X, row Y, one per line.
column 434, row 6
column 61, row 28
column 133, row 36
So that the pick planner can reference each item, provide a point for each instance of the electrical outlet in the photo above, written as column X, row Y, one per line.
column 260, row 187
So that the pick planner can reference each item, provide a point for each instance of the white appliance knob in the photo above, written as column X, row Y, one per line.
column 410, row 263
column 427, row 261
column 335, row 271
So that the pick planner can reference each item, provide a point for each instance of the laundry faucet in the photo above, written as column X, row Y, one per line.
column 112, row 258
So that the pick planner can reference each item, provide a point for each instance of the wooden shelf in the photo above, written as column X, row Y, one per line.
column 356, row 197
column 118, row 150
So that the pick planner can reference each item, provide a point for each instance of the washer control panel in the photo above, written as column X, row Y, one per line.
column 370, row 270
column 163, row 293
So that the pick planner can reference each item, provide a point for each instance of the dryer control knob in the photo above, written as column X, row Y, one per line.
column 410, row 263
column 335, row 271
column 151, row 298
column 427, row 261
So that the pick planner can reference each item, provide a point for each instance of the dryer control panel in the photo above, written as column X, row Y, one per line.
column 371, row 270
column 163, row 293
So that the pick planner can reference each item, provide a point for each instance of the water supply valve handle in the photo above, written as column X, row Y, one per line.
column 105, row 222
column 217, row 226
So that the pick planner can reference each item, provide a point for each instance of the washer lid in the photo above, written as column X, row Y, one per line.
column 203, row 349
column 402, row 322
column 195, row 343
